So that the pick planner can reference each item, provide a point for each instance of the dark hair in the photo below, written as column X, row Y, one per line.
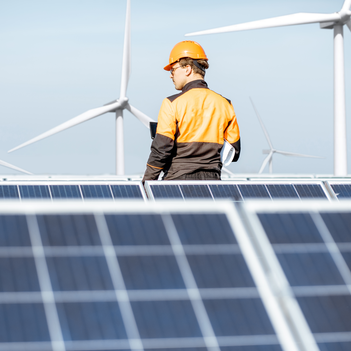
column 189, row 61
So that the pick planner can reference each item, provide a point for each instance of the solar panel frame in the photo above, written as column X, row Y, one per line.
column 79, row 187
column 241, row 194
column 336, row 253
column 125, row 298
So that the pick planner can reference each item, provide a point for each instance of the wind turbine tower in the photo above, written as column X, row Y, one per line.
column 116, row 106
column 334, row 21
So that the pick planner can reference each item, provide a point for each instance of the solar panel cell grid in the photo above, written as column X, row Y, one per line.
column 151, row 272
column 196, row 192
column 321, row 267
column 14, row 231
column 304, row 269
column 68, row 230
column 100, row 320
column 200, row 229
column 242, row 316
column 236, row 191
column 65, row 192
column 339, row 226
column 137, row 230
column 226, row 191
column 215, row 271
column 290, row 228
column 79, row 273
column 310, row 191
column 18, row 274
column 166, row 272
column 126, row 191
column 96, row 191
column 8, row 192
column 342, row 191
column 166, row 319
column 253, row 191
column 282, row 191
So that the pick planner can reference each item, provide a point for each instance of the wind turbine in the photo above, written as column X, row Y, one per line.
column 8, row 165
column 272, row 150
column 334, row 21
column 116, row 106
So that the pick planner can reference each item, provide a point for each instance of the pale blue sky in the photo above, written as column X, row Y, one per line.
column 61, row 58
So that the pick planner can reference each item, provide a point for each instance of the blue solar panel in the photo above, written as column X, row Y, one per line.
column 8, row 192
column 179, row 317
column 98, row 320
column 253, row 191
column 167, row 280
column 79, row 273
column 200, row 229
column 284, row 228
column 239, row 191
column 342, row 191
column 314, row 252
column 96, row 191
column 71, row 191
column 14, row 231
column 18, row 274
column 126, row 192
column 339, row 226
column 151, row 272
column 226, row 191
column 65, row 192
column 68, row 230
column 283, row 191
column 215, row 271
column 243, row 317
column 195, row 191
column 23, row 322
column 310, row 191
column 133, row 229
column 166, row 191
column 34, row 192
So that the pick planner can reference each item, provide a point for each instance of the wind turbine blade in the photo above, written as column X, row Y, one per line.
column 126, row 55
column 262, row 125
column 72, row 122
column 346, row 6
column 289, row 20
column 8, row 165
column 142, row 117
column 295, row 154
column 348, row 23
column 266, row 160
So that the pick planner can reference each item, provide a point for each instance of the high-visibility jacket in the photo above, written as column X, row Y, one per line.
column 190, row 133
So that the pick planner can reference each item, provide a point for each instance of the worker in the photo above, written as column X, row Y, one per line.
column 193, row 124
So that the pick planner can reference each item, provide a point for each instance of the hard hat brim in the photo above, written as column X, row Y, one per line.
column 168, row 67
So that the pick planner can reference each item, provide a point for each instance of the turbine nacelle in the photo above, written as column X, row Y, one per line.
column 334, row 21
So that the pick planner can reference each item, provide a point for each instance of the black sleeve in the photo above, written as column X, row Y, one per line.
column 237, row 148
column 161, row 152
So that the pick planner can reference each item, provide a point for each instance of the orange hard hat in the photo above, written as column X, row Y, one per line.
column 187, row 48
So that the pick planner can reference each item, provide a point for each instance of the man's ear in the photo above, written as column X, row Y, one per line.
column 188, row 70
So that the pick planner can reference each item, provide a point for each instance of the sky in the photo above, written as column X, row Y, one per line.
column 61, row 58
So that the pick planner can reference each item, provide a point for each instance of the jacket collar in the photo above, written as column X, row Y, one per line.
column 199, row 83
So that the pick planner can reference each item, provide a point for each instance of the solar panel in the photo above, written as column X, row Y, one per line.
column 341, row 188
column 312, row 244
column 72, row 190
column 237, row 190
column 126, row 276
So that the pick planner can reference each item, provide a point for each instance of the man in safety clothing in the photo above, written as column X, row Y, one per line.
column 191, row 125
